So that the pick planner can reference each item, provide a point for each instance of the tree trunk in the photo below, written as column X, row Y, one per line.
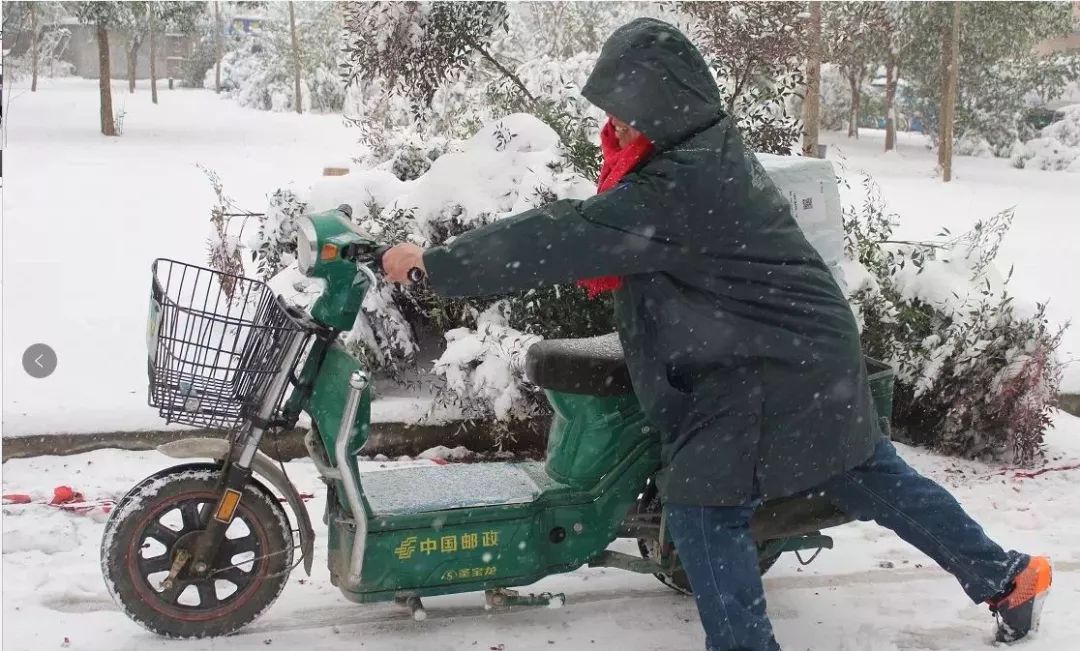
column 107, row 126
column 812, row 101
column 892, row 76
column 297, row 98
column 951, row 85
column 133, row 61
column 33, row 49
column 853, row 118
column 946, row 46
column 153, row 62
column 217, row 49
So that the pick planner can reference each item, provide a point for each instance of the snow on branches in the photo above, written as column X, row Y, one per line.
column 755, row 50
column 417, row 46
column 977, row 374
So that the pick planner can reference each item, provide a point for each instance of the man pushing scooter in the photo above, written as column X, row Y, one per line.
column 741, row 346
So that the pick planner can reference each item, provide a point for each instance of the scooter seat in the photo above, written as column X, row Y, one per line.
column 591, row 366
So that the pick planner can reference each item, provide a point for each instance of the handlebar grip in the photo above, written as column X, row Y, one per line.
column 416, row 275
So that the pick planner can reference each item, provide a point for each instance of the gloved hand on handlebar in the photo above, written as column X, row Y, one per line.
column 400, row 261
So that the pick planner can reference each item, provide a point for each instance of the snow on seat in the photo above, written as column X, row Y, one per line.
column 423, row 489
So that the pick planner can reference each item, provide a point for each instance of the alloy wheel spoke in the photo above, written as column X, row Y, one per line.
column 248, row 543
column 234, row 575
column 162, row 534
column 156, row 564
column 207, row 594
column 172, row 595
column 190, row 513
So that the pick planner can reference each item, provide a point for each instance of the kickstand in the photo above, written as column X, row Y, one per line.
column 415, row 606
column 505, row 598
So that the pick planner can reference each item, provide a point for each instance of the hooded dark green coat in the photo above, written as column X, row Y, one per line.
column 741, row 347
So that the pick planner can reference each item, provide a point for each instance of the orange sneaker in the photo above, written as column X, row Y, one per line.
column 1017, row 613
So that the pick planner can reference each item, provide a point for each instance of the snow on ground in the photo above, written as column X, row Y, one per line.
column 84, row 216
column 872, row 593
column 1043, row 245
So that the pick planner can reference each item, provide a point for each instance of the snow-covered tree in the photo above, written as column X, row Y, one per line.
column 562, row 29
column 756, row 50
column 168, row 16
column 416, row 47
column 854, row 34
column 105, row 16
column 899, row 39
column 39, row 40
column 998, row 64
column 815, row 53
column 260, row 68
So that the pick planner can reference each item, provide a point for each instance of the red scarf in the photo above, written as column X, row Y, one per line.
column 617, row 162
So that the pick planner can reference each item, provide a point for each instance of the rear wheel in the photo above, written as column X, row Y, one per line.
column 676, row 578
column 162, row 517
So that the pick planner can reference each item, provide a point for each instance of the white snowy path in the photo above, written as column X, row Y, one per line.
column 846, row 600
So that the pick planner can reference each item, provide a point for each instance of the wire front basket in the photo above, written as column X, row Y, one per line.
column 215, row 342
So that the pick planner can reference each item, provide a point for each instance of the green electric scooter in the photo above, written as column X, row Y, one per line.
column 203, row 548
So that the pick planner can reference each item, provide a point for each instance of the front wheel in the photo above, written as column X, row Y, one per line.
column 164, row 515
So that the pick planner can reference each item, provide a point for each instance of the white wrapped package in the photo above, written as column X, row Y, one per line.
column 810, row 185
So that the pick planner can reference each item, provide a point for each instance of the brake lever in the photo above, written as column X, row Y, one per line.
column 367, row 272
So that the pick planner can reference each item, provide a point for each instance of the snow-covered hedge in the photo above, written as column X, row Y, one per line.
column 977, row 374
column 258, row 70
column 512, row 164
column 1056, row 148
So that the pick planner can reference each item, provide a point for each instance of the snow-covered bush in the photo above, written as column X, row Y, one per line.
column 21, row 21
column 259, row 69
column 512, row 164
column 483, row 368
column 201, row 59
column 976, row 372
column 1057, row 148
column 971, row 144
column 998, row 114
column 835, row 98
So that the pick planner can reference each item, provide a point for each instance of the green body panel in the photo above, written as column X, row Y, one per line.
column 331, row 385
column 590, row 434
column 467, row 549
column 601, row 453
column 345, row 287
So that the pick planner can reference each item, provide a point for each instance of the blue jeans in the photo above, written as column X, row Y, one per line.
column 720, row 556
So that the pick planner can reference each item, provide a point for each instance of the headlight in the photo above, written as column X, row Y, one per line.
column 307, row 242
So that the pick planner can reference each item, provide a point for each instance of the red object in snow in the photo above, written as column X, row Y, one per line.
column 65, row 495
column 17, row 498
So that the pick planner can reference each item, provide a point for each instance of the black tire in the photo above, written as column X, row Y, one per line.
column 140, row 525
column 679, row 582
